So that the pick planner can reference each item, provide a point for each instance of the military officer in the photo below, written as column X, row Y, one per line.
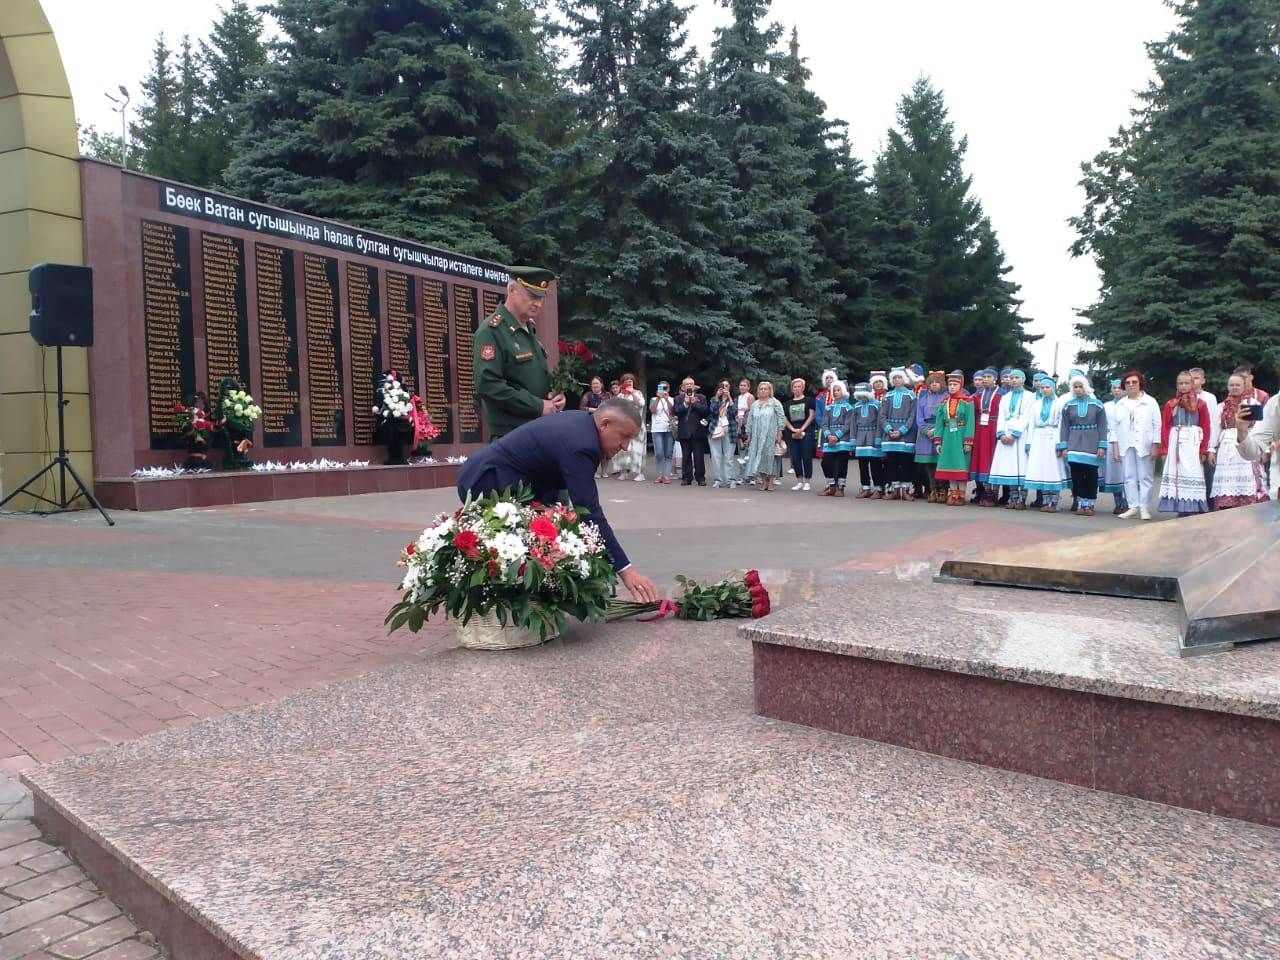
column 510, row 362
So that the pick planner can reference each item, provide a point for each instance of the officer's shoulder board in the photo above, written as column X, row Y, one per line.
column 495, row 321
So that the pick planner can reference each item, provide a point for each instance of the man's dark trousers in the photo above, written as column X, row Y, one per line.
column 695, row 463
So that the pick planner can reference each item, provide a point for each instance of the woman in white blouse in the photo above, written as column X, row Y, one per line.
column 1134, row 436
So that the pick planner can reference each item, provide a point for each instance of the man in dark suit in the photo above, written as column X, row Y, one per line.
column 692, row 412
column 558, row 453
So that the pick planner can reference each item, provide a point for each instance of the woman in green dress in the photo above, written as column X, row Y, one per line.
column 953, row 430
column 764, row 425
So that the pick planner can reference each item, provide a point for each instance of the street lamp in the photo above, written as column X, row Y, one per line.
column 122, row 107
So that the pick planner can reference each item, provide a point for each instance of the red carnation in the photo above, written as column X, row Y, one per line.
column 468, row 543
column 543, row 529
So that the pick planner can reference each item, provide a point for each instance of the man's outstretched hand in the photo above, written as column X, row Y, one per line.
column 639, row 586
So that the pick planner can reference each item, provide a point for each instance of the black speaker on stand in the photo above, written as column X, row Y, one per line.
column 61, row 316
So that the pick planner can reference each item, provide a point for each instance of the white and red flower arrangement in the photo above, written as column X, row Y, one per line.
column 396, row 405
column 528, row 565
column 194, row 420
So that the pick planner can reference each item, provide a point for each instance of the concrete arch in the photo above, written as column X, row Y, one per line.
column 39, row 221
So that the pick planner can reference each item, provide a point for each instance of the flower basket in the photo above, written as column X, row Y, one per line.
column 484, row 632
column 513, row 569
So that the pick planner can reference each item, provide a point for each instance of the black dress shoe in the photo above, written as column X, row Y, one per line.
column 702, row 483
column 685, row 483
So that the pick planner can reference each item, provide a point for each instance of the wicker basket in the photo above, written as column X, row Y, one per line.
column 483, row 632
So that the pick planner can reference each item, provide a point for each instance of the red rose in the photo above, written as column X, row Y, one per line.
column 584, row 353
column 493, row 568
column 410, row 550
column 467, row 542
column 543, row 529
column 179, row 408
column 752, row 578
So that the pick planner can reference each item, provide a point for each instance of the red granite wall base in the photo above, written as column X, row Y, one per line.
column 183, row 937
column 215, row 489
column 1219, row 763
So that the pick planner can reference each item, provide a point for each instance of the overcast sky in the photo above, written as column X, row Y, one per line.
column 1036, row 87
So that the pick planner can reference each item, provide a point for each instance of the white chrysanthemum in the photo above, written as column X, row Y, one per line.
column 571, row 544
column 584, row 568
column 509, row 546
column 238, row 409
column 508, row 513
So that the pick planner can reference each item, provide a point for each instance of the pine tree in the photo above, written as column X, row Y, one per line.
column 896, row 272
column 397, row 115
column 1183, row 209
column 233, row 58
column 772, row 228
column 969, row 306
column 842, row 208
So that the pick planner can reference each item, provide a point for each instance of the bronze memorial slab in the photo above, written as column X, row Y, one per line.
column 1221, row 568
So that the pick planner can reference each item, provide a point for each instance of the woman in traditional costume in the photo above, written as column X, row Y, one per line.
column 1237, row 482
column 837, row 440
column 1112, row 473
column 953, row 432
column 1009, row 463
column 879, row 384
column 898, row 436
column 866, row 442
column 986, row 408
column 1184, row 434
column 1082, row 442
column 927, row 404
column 1046, row 471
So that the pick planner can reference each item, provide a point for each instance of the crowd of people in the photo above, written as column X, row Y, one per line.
column 994, row 440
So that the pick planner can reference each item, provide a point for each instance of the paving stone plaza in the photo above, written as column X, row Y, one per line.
column 210, row 697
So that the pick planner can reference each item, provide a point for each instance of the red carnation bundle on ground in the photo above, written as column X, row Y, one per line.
column 733, row 596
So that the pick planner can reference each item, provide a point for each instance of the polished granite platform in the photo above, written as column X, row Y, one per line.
column 613, row 795
column 1089, row 690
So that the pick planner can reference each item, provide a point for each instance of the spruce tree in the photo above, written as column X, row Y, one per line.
column 896, row 273
column 643, row 195
column 156, row 132
column 771, row 228
column 397, row 115
column 1183, row 211
column 842, row 209
column 233, row 59
column 969, row 307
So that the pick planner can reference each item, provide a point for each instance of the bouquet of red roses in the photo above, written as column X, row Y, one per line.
column 732, row 596
column 570, row 373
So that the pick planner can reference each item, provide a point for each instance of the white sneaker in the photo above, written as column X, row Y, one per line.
column 1146, row 514
column 806, row 486
column 715, row 484
column 798, row 485
column 639, row 478
column 1129, row 514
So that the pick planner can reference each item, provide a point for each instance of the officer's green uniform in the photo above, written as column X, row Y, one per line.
column 510, row 363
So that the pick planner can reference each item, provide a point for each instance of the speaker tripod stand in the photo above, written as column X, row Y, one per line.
column 62, row 464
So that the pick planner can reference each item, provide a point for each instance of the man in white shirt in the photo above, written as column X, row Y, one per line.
column 1259, row 438
column 1215, row 427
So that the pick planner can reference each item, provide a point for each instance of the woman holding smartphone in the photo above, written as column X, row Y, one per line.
column 661, row 414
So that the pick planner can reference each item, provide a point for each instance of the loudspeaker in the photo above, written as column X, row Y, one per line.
column 61, row 305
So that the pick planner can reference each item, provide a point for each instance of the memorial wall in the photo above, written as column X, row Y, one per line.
column 191, row 286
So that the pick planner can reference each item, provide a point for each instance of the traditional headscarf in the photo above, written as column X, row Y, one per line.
column 1014, row 372
column 844, row 388
column 915, row 373
column 1082, row 403
column 1115, row 382
column 1046, row 403
column 824, row 376
column 878, row 375
column 899, row 372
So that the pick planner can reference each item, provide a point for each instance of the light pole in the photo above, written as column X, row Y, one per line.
column 122, row 107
